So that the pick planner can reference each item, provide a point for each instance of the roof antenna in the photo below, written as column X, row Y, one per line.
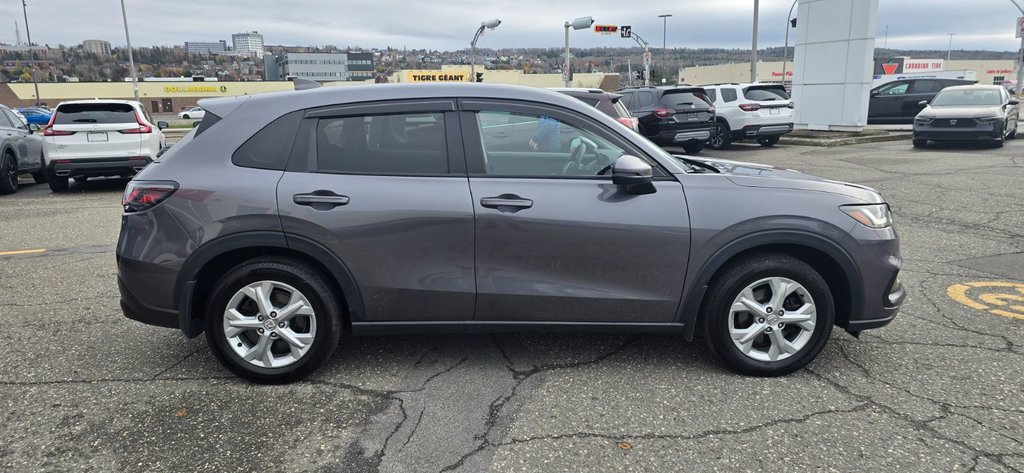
column 303, row 84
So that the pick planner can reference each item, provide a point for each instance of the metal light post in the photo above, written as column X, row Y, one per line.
column 31, row 52
column 487, row 25
column 785, row 47
column 647, row 49
column 1020, row 67
column 753, row 47
column 664, row 46
column 131, row 58
column 949, row 50
column 580, row 23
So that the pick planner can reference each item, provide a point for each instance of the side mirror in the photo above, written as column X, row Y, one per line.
column 923, row 103
column 1014, row 102
column 162, row 124
column 32, row 127
column 630, row 171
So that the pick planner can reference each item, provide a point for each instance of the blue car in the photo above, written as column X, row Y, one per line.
column 36, row 115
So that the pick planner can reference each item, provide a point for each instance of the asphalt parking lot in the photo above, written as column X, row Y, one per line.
column 941, row 388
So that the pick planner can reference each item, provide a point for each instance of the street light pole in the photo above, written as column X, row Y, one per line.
column 489, row 24
column 577, row 24
column 31, row 52
column 785, row 47
column 753, row 47
column 949, row 50
column 1020, row 67
column 664, row 46
column 131, row 58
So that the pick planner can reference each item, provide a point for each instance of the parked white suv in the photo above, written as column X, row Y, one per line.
column 92, row 138
column 750, row 111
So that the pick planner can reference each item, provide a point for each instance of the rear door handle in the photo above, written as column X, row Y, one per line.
column 502, row 134
column 321, row 200
column 506, row 203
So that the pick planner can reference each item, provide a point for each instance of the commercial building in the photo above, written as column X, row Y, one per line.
column 248, row 44
column 320, row 66
column 98, row 47
column 206, row 48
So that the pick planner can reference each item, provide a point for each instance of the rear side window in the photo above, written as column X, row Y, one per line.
column 765, row 93
column 9, row 119
column 589, row 101
column 620, row 109
column 684, row 98
column 729, row 95
column 646, row 99
column 87, row 113
column 270, row 147
column 409, row 144
column 712, row 94
column 208, row 120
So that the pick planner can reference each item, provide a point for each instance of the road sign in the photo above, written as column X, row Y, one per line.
column 606, row 29
column 1019, row 33
column 626, row 31
column 647, row 58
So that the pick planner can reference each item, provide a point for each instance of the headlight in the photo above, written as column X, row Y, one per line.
column 988, row 119
column 870, row 215
column 923, row 120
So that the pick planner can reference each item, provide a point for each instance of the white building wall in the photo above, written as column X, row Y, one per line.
column 833, row 65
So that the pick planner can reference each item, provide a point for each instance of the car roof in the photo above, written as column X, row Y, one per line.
column 292, row 100
column 973, row 87
column 577, row 89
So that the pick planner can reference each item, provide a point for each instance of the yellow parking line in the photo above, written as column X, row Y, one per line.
column 23, row 252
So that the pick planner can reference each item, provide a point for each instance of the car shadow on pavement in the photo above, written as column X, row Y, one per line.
column 961, row 145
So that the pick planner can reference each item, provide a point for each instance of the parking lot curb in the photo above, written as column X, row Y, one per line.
column 831, row 141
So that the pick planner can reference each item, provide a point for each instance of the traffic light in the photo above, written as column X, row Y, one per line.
column 479, row 76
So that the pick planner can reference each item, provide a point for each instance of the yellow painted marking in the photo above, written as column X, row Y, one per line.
column 995, row 297
column 23, row 252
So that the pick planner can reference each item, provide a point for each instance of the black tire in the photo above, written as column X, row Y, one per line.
column 768, row 141
column 40, row 175
column 57, row 183
column 723, row 136
column 329, row 316
column 714, row 317
column 693, row 147
column 920, row 143
column 8, row 174
column 1013, row 133
column 185, row 117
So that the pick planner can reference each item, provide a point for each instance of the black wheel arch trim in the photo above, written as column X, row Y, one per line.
column 184, row 287
column 689, row 309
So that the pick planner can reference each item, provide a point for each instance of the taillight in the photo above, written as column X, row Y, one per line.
column 664, row 112
column 711, row 109
column 49, row 131
column 143, row 128
column 750, row 107
column 144, row 195
column 628, row 121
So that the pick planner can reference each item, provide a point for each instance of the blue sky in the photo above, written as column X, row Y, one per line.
column 913, row 24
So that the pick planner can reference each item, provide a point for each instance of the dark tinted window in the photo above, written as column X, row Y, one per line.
column 620, row 109
column 925, row 86
column 270, row 147
column 684, row 98
column 765, row 93
column 712, row 94
column 646, row 99
column 590, row 101
column 383, row 144
column 208, row 120
column 85, row 113
column 4, row 121
column 729, row 95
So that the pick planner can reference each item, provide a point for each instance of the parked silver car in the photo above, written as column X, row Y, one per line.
column 286, row 219
column 21, row 151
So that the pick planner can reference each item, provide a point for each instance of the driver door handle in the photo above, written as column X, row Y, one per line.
column 506, row 203
column 320, row 200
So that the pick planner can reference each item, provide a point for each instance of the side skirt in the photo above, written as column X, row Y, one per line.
column 411, row 328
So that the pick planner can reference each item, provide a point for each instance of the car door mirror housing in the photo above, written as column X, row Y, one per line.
column 923, row 103
column 631, row 170
column 162, row 124
column 32, row 128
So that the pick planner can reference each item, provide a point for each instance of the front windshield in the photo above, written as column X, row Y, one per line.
column 968, row 97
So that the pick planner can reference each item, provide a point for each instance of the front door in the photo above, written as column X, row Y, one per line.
column 375, row 185
column 885, row 103
column 555, row 239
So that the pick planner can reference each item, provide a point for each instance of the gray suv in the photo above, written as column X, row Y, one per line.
column 285, row 220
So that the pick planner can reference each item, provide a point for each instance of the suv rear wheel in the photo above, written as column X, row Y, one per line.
column 57, row 183
column 8, row 174
column 273, row 320
column 40, row 175
column 768, row 315
column 722, row 138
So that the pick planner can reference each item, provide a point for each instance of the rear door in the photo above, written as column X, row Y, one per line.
column 556, row 241
column 18, row 136
column 924, row 89
column 384, row 188
column 96, row 130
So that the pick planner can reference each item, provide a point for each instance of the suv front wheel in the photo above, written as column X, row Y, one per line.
column 768, row 315
column 273, row 320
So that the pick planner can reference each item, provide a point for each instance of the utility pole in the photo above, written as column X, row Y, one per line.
column 664, row 46
column 566, row 75
column 753, row 47
column 131, row 58
column 1020, row 66
column 31, row 52
column 949, row 50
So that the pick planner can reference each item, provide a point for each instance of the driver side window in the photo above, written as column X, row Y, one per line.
column 898, row 88
column 516, row 144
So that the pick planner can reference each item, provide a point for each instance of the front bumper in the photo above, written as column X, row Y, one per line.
column 98, row 166
column 879, row 261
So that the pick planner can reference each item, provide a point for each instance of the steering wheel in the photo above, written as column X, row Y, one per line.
column 579, row 147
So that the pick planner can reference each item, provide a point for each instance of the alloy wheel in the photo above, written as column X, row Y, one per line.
column 269, row 324
column 718, row 139
column 772, row 319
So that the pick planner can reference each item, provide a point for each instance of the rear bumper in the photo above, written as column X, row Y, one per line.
column 98, row 166
column 684, row 135
column 755, row 131
column 137, row 310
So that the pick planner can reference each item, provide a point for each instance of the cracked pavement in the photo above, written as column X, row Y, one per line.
column 941, row 388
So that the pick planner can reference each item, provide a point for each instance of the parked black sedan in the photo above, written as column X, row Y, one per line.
column 897, row 102
column 970, row 112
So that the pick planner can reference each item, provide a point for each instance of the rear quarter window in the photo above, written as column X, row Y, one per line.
column 87, row 113
column 270, row 147
column 712, row 95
